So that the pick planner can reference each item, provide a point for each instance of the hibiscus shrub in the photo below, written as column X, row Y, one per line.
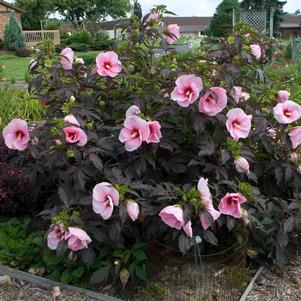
column 145, row 146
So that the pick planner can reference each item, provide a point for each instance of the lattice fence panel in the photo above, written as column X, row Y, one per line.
column 296, row 49
column 256, row 18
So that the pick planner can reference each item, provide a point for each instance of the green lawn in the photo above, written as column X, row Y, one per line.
column 15, row 68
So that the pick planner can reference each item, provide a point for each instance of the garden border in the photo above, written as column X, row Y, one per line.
column 4, row 270
column 251, row 284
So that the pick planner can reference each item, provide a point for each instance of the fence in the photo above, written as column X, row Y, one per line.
column 296, row 49
column 34, row 37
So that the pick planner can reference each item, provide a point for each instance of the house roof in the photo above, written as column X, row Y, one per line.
column 194, row 21
column 291, row 22
column 12, row 6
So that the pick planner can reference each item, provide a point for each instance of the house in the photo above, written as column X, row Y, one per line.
column 291, row 25
column 190, row 26
column 5, row 10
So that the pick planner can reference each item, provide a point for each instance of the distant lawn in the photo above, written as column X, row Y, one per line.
column 16, row 67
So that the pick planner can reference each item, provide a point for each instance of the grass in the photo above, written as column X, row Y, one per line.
column 15, row 68
column 18, row 103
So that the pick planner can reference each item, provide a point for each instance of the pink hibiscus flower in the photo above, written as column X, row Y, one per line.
column 67, row 58
column 108, row 64
column 105, row 197
column 188, row 229
column 283, row 95
column 16, row 135
column 71, row 119
column 151, row 20
column 77, row 238
column 287, row 112
column 256, row 51
column 135, row 131
column 173, row 33
column 238, row 123
column 187, row 90
column 206, row 198
column 75, row 135
column 211, row 107
column 55, row 236
column 238, row 95
column 172, row 216
column 132, row 111
column 295, row 136
column 154, row 132
column 230, row 204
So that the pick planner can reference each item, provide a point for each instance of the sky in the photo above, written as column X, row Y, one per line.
column 201, row 7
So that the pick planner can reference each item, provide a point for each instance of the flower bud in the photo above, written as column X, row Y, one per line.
column 242, row 165
column 245, row 217
column 132, row 209
column 124, row 276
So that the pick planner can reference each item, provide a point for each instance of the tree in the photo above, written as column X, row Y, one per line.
column 80, row 11
column 35, row 11
column 221, row 22
column 137, row 9
column 13, row 37
column 268, row 4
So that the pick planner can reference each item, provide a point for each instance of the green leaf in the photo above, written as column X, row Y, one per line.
column 78, row 272
column 140, row 245
column 100, row 275
column 139, row 255
column 140, row 273
column 65, row 277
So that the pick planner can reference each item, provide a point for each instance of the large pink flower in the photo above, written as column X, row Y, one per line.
column 295, row 136
column 238, row 123
column 283, row 95
column 135, row 131
column 16, row 135
column 256, row 51
column 187, row 90
column 108, row 64
column 173, row 33
column 67, row 58
column 55, row 237
column 105, row 197
column 132, row 111
column 209, row 106
column 287, row 112
column 132, row 209
column 172, row 216
column 77, row 238
column 76, row 135
column 238, row 95
column 230, row 204
column 206, row 198
column 154, row 132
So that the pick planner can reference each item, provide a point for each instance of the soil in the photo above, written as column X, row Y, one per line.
column 23, row 291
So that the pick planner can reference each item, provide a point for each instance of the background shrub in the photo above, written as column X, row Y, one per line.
column 18, row 103
column 82, row 47
column 89, row 58
column 101, row 40
column 79, row 36
column 13, row 37
column 23, row 52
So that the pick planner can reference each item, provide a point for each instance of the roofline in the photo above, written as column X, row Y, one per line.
column 12, row 6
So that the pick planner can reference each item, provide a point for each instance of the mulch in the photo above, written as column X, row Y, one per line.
column 275, row 284
column 24, row 291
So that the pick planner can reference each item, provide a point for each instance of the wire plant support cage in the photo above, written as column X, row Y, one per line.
column 195, row 277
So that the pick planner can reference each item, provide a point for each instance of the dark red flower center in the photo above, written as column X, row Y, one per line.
column 287, row 113
column 188, row 91
column 19, row 134
column 135, row 133
column 108, row 66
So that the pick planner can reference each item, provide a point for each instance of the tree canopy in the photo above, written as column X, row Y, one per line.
column 221, row 22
